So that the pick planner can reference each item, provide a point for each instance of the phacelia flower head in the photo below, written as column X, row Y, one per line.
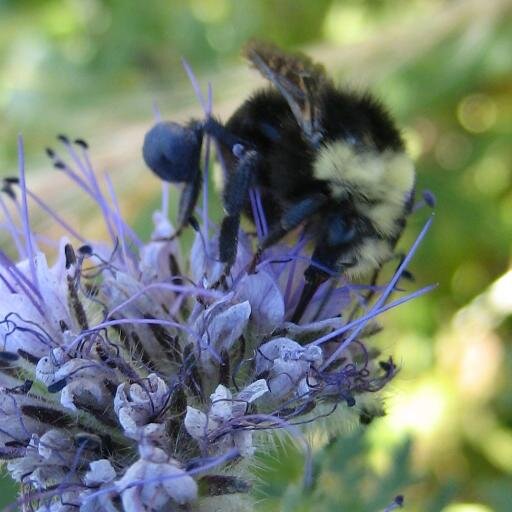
column 131, row 380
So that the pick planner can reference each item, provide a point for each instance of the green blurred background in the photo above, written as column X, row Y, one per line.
column 94, row 68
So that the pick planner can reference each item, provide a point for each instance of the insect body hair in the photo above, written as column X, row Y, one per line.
column 376, row 184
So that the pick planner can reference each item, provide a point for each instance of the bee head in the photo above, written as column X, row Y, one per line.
column 172, row 151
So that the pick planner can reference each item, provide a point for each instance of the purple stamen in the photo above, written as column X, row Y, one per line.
column 206, row 169
column 165, row 199
column 25, row 218
column 85, row 186
column 372, row 314
column 261, row 212
column 165, row 184
column 93, row 189
column 299, row 246
column 255, row 214
column 7, row 284
column 96, row 192
column 204, row 105
column 128, row 321
column 117, row 220
column 57, row 217
column 30, row 327
column 13, row 231
column 156, row 112
column 207, row 108
column 27, row 287
column 385, row 294
column 176, row 288
column 195, row 85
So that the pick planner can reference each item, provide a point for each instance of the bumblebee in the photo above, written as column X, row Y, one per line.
column 323, row 157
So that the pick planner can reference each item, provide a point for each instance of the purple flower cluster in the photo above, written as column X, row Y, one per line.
column 135, row 377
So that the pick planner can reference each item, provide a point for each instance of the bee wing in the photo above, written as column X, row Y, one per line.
column 297, row 78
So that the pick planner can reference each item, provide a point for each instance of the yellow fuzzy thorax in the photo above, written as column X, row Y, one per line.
column 377, row 183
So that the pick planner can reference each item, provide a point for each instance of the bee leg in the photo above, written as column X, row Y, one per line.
column 310, row 287
column 325, row 259
column 228, row 240
column 235, row 196
column 292, row 218
column 316, row 274
column 188, row 201
column 219, row 132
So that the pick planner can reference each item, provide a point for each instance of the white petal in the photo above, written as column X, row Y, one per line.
column 292, row 369
column 271, row 350
column 223, row 329
column 121, row 398
column 45, row 370
column 308, row 332
column 155, row 256
column 14, row 425
column 129, row 418
column 248, row 395
column 23, row 308
column 53, row 287
column 136, row 403
column 159, row 478
column 285, row 376
column 132, row 500
column 243, row 442
column 202, row 265
column 266, row 300
column 163, row 226
column 99, row 503
column 206, row 268
column 88, row 389
column 181, row 487
column 196, row 423
column 101, row 471
column 53, row 446
column 313, row 354
column 305, row 387
column 222, row 404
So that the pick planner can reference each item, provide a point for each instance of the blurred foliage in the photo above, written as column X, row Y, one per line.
column 342, row 478
column 444, row 68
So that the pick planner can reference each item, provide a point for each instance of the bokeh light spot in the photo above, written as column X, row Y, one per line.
column 467, row 507
column 498, row 448
column 477, row 113
column 492, row 175
column 421, row 411
column 59, row 20
column 428, row 133
column 413, row 142
column 453, row 150
column 345, row 23
column 501, row 294
column 210, row 11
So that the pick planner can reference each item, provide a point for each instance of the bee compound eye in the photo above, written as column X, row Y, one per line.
column 172, row 151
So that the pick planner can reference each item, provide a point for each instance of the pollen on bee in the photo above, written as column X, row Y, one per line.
column 372, row 173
